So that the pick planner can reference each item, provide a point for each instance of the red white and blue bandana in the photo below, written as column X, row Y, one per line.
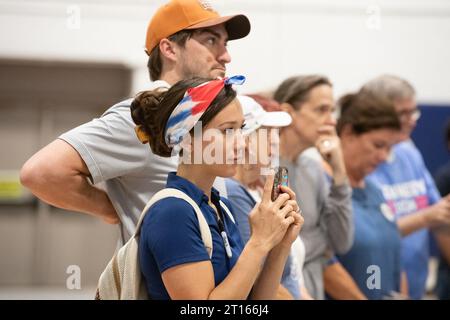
column 191, row 108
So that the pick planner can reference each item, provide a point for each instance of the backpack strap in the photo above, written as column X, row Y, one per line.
column 175, row 193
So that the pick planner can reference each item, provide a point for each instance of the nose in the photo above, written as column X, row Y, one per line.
column 383, row 154
column 331, row 120
column 224, row 56
column 412, row 122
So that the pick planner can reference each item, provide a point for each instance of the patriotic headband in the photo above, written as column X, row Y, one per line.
column 191, row 108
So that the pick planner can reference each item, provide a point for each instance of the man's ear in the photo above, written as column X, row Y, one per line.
column 168, row 49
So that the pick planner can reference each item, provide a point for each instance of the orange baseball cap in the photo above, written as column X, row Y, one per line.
column 177, row 15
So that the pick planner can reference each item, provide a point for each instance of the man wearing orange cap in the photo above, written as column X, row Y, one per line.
column 101, row 168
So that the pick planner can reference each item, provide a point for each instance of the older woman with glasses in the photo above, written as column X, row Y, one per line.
column 407, row 185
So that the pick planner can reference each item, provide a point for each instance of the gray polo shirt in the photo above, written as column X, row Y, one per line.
column 119, row 163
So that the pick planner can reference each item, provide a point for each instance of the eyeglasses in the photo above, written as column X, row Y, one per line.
column 409, row 115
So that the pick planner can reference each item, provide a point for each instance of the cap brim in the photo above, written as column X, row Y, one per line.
column 276, row 119
column 238, row 26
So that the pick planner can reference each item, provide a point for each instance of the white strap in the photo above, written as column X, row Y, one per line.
column 224, row 207
column 171, row 192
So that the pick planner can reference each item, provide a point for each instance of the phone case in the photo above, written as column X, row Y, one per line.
column 280, row 179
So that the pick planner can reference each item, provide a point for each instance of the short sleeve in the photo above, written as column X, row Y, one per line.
column 171, row 232
column 432, row 191
column 108, row 145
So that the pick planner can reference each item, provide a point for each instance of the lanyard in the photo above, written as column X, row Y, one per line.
column 222, row 231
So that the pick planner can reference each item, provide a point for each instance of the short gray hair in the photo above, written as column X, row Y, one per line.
column 389, row 87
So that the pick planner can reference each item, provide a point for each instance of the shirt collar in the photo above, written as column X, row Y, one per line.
column 159, row 84
column 197, row 194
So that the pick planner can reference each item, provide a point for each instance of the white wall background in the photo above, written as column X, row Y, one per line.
column 348, row 40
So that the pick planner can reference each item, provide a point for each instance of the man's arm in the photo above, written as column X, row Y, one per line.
column 340, row 285
column 433, row 216
column 58, row 175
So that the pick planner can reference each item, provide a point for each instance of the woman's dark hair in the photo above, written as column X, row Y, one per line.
column 366, row 112
column 295, row 90
column 152, row 109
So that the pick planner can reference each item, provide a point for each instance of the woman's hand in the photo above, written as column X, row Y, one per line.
column 438, row 214
column 269, row 220
column 294, row 229
column 329, row 146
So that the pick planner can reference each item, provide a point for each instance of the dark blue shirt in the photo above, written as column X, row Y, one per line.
column 170, row 236
column 376, row 245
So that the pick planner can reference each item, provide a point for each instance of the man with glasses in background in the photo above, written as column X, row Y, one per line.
column 408, row 187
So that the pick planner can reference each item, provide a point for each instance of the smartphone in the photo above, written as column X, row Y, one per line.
column 280, row 179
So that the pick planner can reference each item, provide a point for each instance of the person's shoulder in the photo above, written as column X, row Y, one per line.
column 308, row 162
column 237, row 195
column 373, row 189
column 233, row 186
column 121, row 108
column 169, row 209
column 312, row 170
column 370, row 185
column 407, row 150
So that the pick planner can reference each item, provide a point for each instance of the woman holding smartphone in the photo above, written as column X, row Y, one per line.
column 173, row 258
column 245, row 188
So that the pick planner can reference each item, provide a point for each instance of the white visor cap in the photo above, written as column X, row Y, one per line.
column 255, row 116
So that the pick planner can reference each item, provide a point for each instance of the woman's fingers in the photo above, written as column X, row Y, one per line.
column 294, row 205
column 289, row 191
column 267, row 193
column 287, row 209
column 288, row 221
column 280, row 201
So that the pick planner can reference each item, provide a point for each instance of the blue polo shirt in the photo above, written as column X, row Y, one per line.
column 170, row 236
column 408, row 187
column 376, row 247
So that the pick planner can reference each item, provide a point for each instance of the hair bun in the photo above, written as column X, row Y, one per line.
column 144, row 110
